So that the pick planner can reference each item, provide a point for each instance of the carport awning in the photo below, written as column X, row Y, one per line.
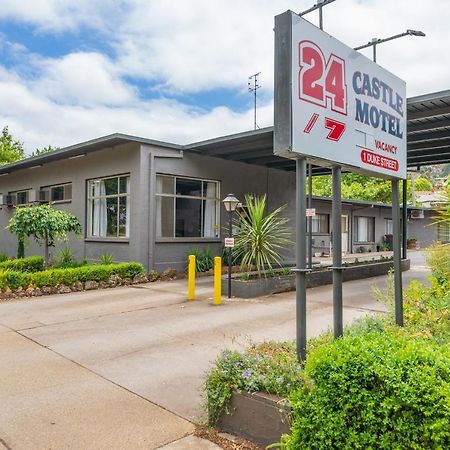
column 428, row 137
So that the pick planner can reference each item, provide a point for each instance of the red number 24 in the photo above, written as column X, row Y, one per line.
column 320, row 80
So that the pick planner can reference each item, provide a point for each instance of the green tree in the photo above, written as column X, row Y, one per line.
column 357, row 187
column 11, row 150
column 261, row 235
column 44, row 150
column 46, row 224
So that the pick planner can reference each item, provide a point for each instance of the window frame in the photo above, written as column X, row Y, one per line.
column 21, row 191
column 89, row 211
column 318, row 233
column 355, row 227
column 54, row 186
column 388, row 223
column 200, row 198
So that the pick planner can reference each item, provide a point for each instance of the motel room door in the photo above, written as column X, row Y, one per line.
column 344, row 225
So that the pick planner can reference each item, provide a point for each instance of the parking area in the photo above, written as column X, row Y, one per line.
column 124, row 367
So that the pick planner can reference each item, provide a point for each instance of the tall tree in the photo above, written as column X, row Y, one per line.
column 11, row 150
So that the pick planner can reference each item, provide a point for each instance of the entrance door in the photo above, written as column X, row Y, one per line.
column 344, row 225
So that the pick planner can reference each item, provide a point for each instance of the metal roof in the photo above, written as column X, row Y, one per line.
column 428, row 137
column 82, row 148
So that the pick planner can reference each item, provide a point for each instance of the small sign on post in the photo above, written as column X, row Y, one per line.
column 310, row 212
column 229, row 242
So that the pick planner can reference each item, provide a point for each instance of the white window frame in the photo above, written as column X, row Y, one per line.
column 201, row 198
column 91, row 198
column 54, row 186
column 16, row 193
column 357, row 237
column 318, row 217
column 388, row 226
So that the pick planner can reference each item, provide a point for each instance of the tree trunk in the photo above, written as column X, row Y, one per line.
column 20, row 248
column 46, row 254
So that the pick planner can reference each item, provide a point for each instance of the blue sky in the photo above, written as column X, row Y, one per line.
column 177, row 71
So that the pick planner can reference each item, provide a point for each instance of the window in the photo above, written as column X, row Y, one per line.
column 60, row 192
column 364, row 229
column 443, row 230
column 388, row 228
column 21, row 197
column 109, row 207
column 320, row 223
column 187, row 207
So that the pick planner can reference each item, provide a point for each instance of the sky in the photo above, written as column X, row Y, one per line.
column 177, row 70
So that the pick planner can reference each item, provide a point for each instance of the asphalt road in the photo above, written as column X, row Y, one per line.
column 124, row 367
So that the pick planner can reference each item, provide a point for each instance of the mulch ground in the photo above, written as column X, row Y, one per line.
column 236, row 444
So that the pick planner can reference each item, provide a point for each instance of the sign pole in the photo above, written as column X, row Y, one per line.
column 300, row 270
column 398, row 289
column 337, row 252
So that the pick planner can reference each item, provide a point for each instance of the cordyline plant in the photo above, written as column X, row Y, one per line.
column 261, row 235
column 443, row 210
column 46, row 224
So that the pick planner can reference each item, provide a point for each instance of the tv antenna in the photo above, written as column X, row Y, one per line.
column 253, row 86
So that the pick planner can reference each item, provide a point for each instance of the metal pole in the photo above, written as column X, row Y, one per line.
column 337, row 253
column 320, row 18
column 398, row 294
column 230, row 234
column 255, row 106
column 300, row 270
column 310, row 262
column 405, row 220
column 374, row 52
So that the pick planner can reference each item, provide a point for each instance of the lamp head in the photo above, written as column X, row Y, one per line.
column 416, row 33
column 230, row 202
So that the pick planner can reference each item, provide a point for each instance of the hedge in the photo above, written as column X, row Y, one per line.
column 374, row 390
column 29, row 264
column 52, row 277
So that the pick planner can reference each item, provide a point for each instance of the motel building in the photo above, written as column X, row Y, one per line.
column 149, row 201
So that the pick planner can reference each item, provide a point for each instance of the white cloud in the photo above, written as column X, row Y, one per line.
column 83, row 79
column 187, row 47
column 39, row 121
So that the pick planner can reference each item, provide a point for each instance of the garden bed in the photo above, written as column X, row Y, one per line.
column 257, row 287
column 14, row 283
column 262, row 418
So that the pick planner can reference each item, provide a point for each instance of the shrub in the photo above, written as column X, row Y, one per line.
column 204, row 259
column 106, row 259
column 69, row 276
column 374, row 390
column 438, row 259
column 14, row 280
column 29, row 264
column 3, row 257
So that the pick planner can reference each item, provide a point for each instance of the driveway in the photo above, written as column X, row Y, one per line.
column 123, row 368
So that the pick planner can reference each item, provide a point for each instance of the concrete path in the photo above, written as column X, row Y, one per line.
column 123, row 368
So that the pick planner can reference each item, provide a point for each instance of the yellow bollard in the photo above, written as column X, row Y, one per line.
column 191, row 278
column 217, row 280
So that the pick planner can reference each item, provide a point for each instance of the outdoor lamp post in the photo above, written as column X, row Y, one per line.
column 376, row 41
column 230, row 203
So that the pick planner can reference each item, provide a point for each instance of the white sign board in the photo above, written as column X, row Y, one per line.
column 229, row 242
column 310, row 212
column 345, row 109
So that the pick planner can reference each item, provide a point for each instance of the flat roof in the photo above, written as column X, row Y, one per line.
column 428, row 141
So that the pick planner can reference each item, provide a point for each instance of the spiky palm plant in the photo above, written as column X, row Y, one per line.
column 261, row 235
